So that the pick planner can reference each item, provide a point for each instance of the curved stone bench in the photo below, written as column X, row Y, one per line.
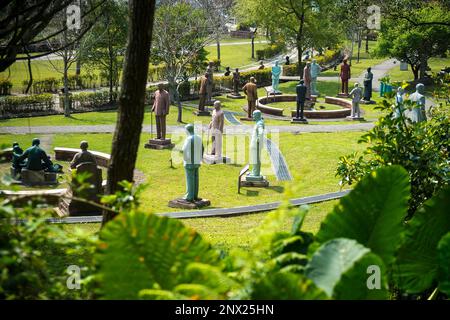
column 67, row 154
column 51, row 196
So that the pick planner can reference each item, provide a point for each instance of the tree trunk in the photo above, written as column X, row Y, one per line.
column 415, row 71
column 359, row 45
column 423, row 67
column 253, row 43
column 110, row 81
column 218, row 48
column 66, row 88
column 299, row 43
column 131, row 103
column 30, row 72
column 367, row 41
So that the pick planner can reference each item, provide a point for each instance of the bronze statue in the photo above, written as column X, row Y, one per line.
column 251, row 91
column 236, row 82
column 83, row 157
column 345, row 75
column 161, row 108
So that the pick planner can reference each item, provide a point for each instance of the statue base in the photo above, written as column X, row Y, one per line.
column 343, row 95
column 184, row 204
column 314, row 96
column 274, row 93
column 299, row 121
column 38, row 178
column 213, row 159
column 246, row 119
column 203, row 113
column 233, row 96
column 367, row 102
column 254, row 181
column 159, row 144
column 350, row 118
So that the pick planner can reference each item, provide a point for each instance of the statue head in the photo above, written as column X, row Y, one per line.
column 302, row 81
column 314, row 61
column 16, row 148
column 189, row 129
column 15, row 143
column 276, row 63
column 84, row 145
column 160, row 86
column 252, row 79
column 36, row 142
column 308, row 64
column 257, row 115
column 400, row 90
column 369, row 69
column 345, row 61
column 217, row 105
column 261, row 63
column 420, row 88
column 206, row 75
column 356, row 84
column 237, row 70
column 210, row 64
column 227, row 68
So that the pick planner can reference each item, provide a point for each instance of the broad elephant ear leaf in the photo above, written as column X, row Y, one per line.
column 342, row 264
column 417, row 259
column 143, row 251
column 444, row 264
column 372, row 213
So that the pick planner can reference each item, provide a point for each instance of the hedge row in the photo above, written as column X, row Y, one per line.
column 5, row 87
column 270, row 51
column 29, row 103
column 90, row 100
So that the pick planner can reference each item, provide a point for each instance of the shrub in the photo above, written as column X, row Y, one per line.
column 91, row 100
column 24, row 104
column 328, row 56
column 270, row 51
column 5, row 87
column 292, row 69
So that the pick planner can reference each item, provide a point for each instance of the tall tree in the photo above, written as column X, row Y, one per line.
column 132, row 97
column 180, row 33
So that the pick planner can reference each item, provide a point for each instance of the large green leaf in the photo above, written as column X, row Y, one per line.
column 372, row 213
column 141, row 251
column 286, row 286
column 332, row 260
column 444, row 264
column 417, row 259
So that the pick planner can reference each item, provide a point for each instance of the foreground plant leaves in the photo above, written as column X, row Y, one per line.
column 372, row 213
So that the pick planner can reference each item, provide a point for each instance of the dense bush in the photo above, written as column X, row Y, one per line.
column 28, row 103
column 90, row 100
column 5, row 87
column 423, row 149
column 270, row 51
column 328, row 56
column 293, row 70
column 43, row 85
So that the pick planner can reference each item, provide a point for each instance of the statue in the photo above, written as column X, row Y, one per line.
column 398, row 107
column 418, row 112
column 210, row 82
column 256, row 145
column 301, row 98
column 276, row 72
column 356, row 95
column 368, row 77
column 160, row 107
column 251, row 91
column 216, row 128
column 17, row 165
column 83, row 157
column 203, row 96
column 227, row 72
column 37, row 159
column 236, row 82
column 287, row 61
column 192, row 157
column 345, row 75
column 315, row 71
column 307, row 79
column 261, row 65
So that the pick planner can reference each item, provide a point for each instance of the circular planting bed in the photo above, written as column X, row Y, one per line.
column 332, row 108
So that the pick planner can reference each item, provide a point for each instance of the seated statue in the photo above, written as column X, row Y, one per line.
column 17, row 165
column 83, row 156
column 37, row 159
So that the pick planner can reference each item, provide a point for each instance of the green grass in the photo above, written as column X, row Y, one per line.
column 292, row 105
column 435, row 64
column 234, row 56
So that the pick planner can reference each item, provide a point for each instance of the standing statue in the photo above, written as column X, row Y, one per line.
column 210, row 83
column 368, row 77
column 251, row 91
column 398, row 107
column 256, row 145
column 161, row 108
column 288, row 62
column 236, row 82
column 345, row 75
column 216, row 126
column 301, row 98
column 83, row 157
column 315, row 71
column 307, row 79
column 276, row 72
column 356, row 95
column 203, row 93
column 227, row 72
column 261, row 65
column 37, row 159
column 418, row 111
column 192, row 157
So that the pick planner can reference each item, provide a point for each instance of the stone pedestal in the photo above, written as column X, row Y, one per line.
column 233, row 96
column 184, row 204
column 350, row 118
column 204, row 113
column 31, row 177
column 299, row 121
column 159, row 144
column 275, row 93
column 213, row 159
column 367, row 102
column 251, row 181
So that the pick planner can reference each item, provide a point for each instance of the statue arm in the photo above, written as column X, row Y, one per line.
column 23, row 156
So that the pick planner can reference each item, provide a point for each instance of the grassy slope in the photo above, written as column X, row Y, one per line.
column 435, row 64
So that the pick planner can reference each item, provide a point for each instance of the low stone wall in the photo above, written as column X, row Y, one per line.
column 67, row 154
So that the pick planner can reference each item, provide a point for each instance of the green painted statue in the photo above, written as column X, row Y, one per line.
column 256, row 145
column 37, row 159
column 192, row 157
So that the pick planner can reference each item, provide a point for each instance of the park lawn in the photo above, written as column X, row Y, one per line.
column 235, row 56
column 95, row 118
column 435, row 64
column 227, row 233
column 292, row 105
